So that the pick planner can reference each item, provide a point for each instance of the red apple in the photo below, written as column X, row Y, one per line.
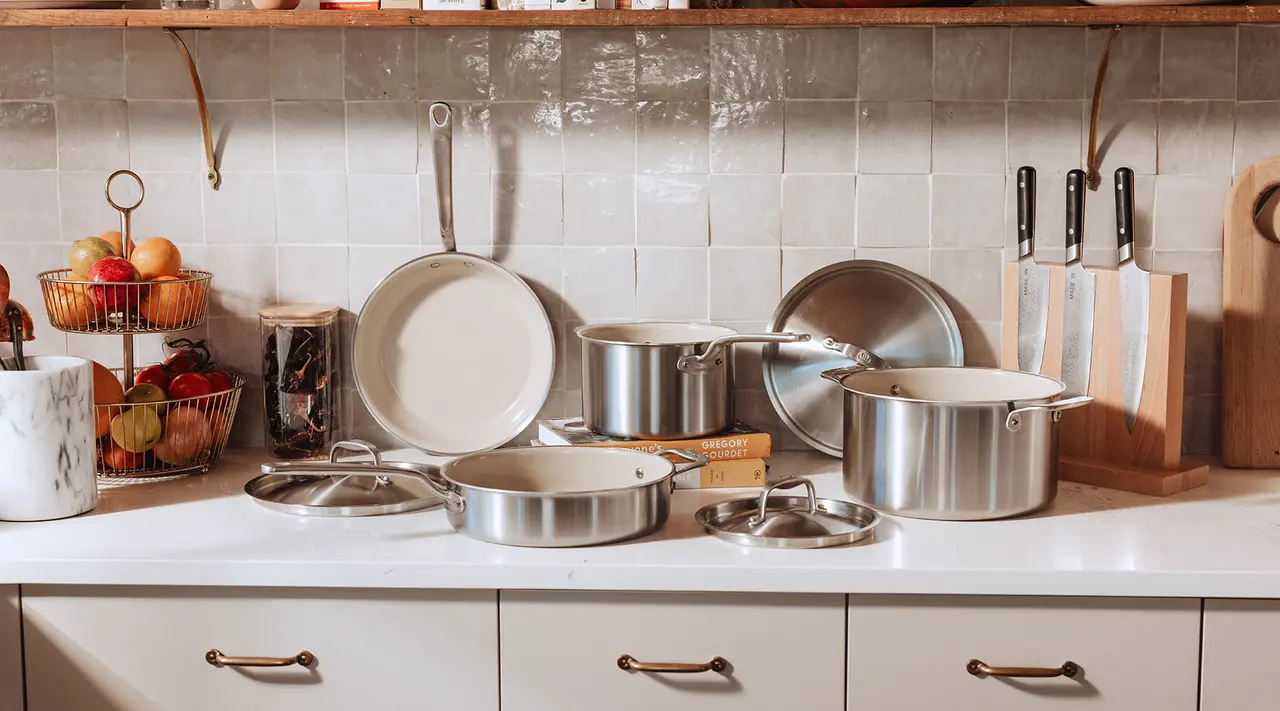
column 115, row 270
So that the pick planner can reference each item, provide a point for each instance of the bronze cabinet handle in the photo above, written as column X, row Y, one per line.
column 217, row 659
column 629, row 663
column 977, row 667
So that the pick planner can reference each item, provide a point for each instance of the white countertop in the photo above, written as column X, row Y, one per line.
column 1222, row 540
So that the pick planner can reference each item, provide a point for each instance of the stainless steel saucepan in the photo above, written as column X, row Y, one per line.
column 662, row 380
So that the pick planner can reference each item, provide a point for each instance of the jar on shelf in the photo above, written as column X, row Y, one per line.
column 300, row 379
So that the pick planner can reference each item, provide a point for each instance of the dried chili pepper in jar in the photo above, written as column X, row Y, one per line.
column 300, row 379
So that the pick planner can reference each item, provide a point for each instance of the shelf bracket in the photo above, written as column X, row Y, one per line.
column 1092, row 177
column 212, row 175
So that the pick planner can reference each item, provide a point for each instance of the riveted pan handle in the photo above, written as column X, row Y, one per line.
column 441, row 118
column 1013, row 422
column 712, row 358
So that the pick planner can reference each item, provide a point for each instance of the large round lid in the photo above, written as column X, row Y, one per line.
column 880, row 307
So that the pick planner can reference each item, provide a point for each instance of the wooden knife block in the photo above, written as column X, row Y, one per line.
column 1095, row 446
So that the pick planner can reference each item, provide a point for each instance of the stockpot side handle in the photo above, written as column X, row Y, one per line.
column 837, row 375
column 694, row 459
column 1013, row 422
column 711, row 359
column 790, row 482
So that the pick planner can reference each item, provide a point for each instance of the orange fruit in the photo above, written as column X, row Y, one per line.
column 107, row 389
column 156, row 257
column 102, row 420
column 70, row 305
column 114, row 238
column 170, row 303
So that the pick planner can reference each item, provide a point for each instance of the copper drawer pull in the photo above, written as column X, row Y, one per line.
column 979, row 668
column 628, row 663
column 216, row 658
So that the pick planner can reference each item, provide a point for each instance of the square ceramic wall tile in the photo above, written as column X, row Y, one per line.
column 453, row 63
column 822, row 63
column 367, row 266
column 968, row 211
column 913, row 259
column 1189, row 211
column 232, row 63
column 599, row 210
column 747, row 64
column 821, row 137
column 895, row 137
column 896, row 64
column 312, row 274
column 1196, row 137
column 524, row 65
column 88, row 63
column 671, row 210
column 1047, row 63
column 306, row 63
column 746, row 210
column 382, row 137
column 26, row 56
column 311, row 208
column 671, row 284
column 818, row 210
column 1202, row 424
column 599, row 136
column 528, row 210
column 800, row 262
column 165, row 135
column 1258, row 74
column 747, row 137
column 246, row 279
column 1133, row 71
column 28, row 136
column 542, row 268
column 245, row 133
column 600, row 282
column 380, row 64
column 672, row 136
column 170, row 210
column 1199, row 63
column 981, row 343
column 84, row 211
column 310, row 136
column 1204, row 280
column 745, row 282
column 1204, row 358
column 893, row 211
column 29, row 203
column 526, row 137
column 1257, row 133
column 242, row 210
column 93, row 134
column 599, row 63
column 969, row 279
column 472, row 208
column 968, row 137
column 673, row 63
column 971, row 63
column 1129, row 128
column 382, row 209
column 1045, row 134
column 152, row 67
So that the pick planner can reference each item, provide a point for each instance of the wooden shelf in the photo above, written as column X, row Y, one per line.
column 1074, row 15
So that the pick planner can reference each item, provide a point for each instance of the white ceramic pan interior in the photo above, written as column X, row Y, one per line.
column 953, row 385
column 558, row 470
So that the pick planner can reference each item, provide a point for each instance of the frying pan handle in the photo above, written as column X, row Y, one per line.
column 1013, row 421
column 441, row 118
column 710, row 359
column 694, row 459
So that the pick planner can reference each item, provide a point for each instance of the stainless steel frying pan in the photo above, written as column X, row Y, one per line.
column 453, row 353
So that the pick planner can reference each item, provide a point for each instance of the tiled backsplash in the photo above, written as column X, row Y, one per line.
column 668, row 173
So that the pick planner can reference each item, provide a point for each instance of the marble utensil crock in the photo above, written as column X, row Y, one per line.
column 46, row 440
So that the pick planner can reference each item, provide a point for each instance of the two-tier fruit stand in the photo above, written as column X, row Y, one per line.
column 193, row 430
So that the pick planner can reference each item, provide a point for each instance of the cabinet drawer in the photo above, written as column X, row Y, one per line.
column 1238, row 658
column 10, row 649
column 560, row 651
column 136, row 649
column 911, row 653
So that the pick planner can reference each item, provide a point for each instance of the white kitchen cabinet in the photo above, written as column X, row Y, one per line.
column 10, row 649
column 143, row 649
column 1238, row 662
column 911, row 653
column 560, row 651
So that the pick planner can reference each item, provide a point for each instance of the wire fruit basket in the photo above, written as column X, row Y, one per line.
column 168, row 304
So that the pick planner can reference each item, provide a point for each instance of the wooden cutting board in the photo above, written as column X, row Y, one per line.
column 1251, row 325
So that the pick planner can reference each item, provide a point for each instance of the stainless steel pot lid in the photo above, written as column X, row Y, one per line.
column 345, row 488
column 788, row 521
column 883, row 308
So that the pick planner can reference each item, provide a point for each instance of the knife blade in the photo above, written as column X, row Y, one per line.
column 1135, row 301
column 1077, row 320
column 1033, row 279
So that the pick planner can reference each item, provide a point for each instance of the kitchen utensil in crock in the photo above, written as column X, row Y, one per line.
column 453, row 353
column 16, row 327
column 662, row 380
column 881, row 308
column 346, row 487
column 788, row 521
column 957, row 444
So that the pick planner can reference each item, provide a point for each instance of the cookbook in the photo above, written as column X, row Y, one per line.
column 742, row 441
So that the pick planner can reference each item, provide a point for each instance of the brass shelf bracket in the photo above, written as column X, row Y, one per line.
column 1092, row 177
column 212, row 175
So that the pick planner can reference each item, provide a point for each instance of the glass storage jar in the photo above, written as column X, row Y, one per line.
column 300, row 379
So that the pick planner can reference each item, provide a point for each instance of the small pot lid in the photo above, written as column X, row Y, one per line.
column 344, row 488
column 788, row 521
column 846, row 307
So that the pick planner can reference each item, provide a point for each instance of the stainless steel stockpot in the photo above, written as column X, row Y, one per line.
column 961, row 444
column 661, row 380
column 559, row 497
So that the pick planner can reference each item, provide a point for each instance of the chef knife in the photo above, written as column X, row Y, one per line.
column 1077, row 320
column 1033, row 279
column 1135, row 298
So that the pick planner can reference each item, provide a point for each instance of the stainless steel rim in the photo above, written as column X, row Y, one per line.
column 671, row 471
column 957, row 403
column 709, row 517
column 585, row 328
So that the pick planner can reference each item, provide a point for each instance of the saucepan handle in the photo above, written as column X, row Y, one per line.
column 1013, row 422
column 694, row 460
column 711, row 359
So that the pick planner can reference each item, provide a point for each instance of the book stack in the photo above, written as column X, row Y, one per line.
column 737, row 455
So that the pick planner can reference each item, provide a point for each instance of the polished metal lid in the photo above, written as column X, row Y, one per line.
column 788, row 521
column 344, row 488
column 851, row 307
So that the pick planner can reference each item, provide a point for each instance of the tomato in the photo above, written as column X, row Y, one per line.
column 181, row 362
column 219, row 380
column 153, row 374
column 189, row 385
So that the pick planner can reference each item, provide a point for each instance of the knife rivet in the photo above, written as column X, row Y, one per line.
column 1071, row 188
column 1122, row 230
column 1071, row 231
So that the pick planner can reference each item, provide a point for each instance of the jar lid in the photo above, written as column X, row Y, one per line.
column 300, row 314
